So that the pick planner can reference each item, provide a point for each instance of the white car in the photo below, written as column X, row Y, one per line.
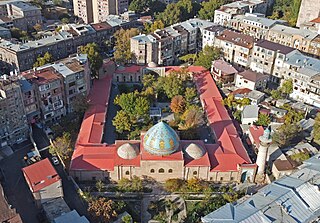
column 55, row 160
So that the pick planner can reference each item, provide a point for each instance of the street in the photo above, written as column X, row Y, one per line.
column 15, row 186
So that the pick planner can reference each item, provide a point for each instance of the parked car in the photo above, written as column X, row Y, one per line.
column 55, row 160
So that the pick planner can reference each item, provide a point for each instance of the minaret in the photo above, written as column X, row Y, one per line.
column 265, row 141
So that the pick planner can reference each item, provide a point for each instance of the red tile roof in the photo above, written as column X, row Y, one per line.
column 129, row 69
column 101, row 26
column 256, row 132
column 40, row 175
column 42, row 76
column 316, row 20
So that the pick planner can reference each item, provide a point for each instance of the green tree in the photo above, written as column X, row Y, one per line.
column 230, row 195
column 287, row 87
column 93, row 52
column 208, row 8
column 245, row 101
column 230, row 101
column 19, row 34
column 191, row 118
column 134, row 185
column 190, row 94
column 300, row 157
column 188, row 58
column 287, row 10
column 276, row 94
column 47, row 58
column 148, row 80
column 139, row 5
column 65, row 20
column 292, row 115
column 156, row 7
column 37, row 27
column 122, row 122
column 316, row 128
column 263, row 120
column 57, row 2
column 151, row 27
column 207, row 55
column 237, row 115
column 284, row 135
column 80, row 104
column 172, row 85
column 123, row 52
column 126, row 219
column 62, row 147
column 177, row 104
column 174, row 185
column 100, row 186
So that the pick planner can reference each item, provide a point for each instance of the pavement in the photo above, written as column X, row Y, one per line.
column 15, row 187
column 110, row 134
column 40, row 137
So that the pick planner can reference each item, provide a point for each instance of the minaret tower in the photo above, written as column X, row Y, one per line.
column 265, row 141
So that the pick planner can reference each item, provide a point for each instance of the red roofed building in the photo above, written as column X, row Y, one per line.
column 160, row 153
column 44, row 182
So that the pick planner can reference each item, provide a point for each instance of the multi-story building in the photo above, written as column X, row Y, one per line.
column 225, row 13
column 19, row 14
column 309, row 9
column 296, row 38
column 313, row 25
column 223, row 71
column 251, row 80
column 255, row 25
column 210, row 33
column 144, row 48
column 13, row 121
column 264, row 54
column 50, row 93
column 98, row 10
column 236, row 47
column 169, row 43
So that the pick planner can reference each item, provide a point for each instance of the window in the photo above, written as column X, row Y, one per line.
column 127, row 172
column 170, row 171
column 221, row 178
column 152, row 171
column 195, row 172
column 211, row 178
column 232, row 178
column 93, row 178
column 161, row 170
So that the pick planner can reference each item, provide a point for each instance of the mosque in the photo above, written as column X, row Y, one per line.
column 160, row 153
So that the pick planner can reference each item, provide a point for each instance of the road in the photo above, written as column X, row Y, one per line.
column 110, row 135
column 15, row 186
column 40, row 137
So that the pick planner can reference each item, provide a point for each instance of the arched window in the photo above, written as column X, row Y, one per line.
column 170, row 170
column 152, row 171
column 195, row 172
column 161, row 170
column 127, row 172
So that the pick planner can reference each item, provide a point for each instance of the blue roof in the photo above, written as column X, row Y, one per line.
column 161, row 140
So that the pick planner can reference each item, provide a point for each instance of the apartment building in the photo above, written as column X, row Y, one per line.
column 264, row 54
column 309, row 9
column 305, row 73
column 98, row 10
column 13, row 121
column 255, row 25
column 169, row 43
column 251, row 80
column 144, row 47
column 297, row 38
column 223, row 71
column 236, row 47
column 210, row 33
column 225, row 13
column 313, row 25
column 19, row 14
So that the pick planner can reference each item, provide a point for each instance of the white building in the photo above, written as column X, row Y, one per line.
column 251, row 80
column 249, row 114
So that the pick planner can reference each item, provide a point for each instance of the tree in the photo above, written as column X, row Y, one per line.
column 316, row 128
column 230, row 101
column 237, row 115
column 207, row 55
column 123, row 52
column 93, row 52
column 139, row 5
column 100, row 186
column 208, row 8
column 300, row 157
column 61, row 146
column 190, row 94
column 192, row 118
column 292, row 115
column 122, row 122
column 287, row 87
column 47, row 58
column 244, row 102
column 57, row 2
column 287, row 10
column 126, row 219
column 134, row 185
column 177, row 104
column 173, row 185
column 230, row 195
column 285, row 134
column 19, row 34
column 275, row 94
column 80, row 104
column 37, row 27
column 188, row 58
column 151, row 27
column 65, row 20
column 194, row 185
column 263, row 120
column 172, row 85
column 102, row 209
column 148, row 80
column 156, row 7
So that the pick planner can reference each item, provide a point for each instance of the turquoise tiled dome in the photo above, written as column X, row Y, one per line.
column 161, row 140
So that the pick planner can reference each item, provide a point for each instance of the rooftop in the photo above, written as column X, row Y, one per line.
column 7, row 213
column 250, row 111
column 24, row 6
column 43, row 76
column 224, row 66
column 294, row 198
column 274, row 46
column 40, row 175
column 71, row 216
column 306, row 34
column 237, row 38
column 252, row 75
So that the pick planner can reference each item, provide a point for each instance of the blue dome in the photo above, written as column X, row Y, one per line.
column 161, row 140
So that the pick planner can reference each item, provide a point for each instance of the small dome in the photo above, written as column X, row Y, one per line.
column 194, row 151
column 152, row 64
column 127, row 151
column 161, row 140
column 121, row 68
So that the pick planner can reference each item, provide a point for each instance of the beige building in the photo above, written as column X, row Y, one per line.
column 309, row 10
column 144, row 47
column 297, row 38
column 236, row 47
column 98, row 10
column 13, row 121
